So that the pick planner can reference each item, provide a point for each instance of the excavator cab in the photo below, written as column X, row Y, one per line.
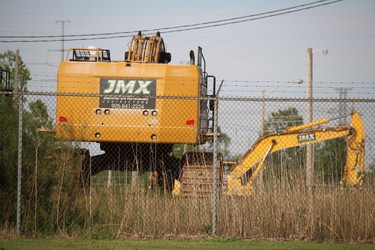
column 90, row 54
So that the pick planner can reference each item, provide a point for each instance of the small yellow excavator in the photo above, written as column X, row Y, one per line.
column 243, row 173
column 252, row 161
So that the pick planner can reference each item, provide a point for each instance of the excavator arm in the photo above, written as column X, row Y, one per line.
column 253, row 160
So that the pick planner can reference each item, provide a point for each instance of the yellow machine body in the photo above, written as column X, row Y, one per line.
column 134, row 100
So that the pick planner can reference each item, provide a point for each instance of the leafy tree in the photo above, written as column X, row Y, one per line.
column 9, row 138
column 282, row 119
column 223, row 141
column 330, row 159
column 288, row 159
column 8, row 62
column 8, row 157
column 48, row 167
column 51, row 173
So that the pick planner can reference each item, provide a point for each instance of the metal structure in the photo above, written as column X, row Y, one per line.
column 240, row 179
column 136, row 130
column 5, row 80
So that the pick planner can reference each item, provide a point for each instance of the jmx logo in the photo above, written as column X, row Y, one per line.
column 306, row 137
column 125, row 86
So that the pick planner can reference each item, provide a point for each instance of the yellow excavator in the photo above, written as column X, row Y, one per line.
column 138, row 108
column 252, row 161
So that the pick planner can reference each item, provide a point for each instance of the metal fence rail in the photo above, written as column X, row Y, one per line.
column 71, row 185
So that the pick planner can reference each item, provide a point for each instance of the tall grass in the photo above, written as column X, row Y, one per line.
column 279, row 208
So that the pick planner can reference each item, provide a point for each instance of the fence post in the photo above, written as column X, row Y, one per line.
column 214, row 191
column 18, row 89
column 214, row 175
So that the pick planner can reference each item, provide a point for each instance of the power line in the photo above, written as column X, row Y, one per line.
column 181, row 28
column 184, row 26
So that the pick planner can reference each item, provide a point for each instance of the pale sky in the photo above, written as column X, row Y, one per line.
column 260, row 53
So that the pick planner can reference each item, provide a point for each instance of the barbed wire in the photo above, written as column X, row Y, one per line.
column 207, row 98
column 261, row 83
column 84, row 83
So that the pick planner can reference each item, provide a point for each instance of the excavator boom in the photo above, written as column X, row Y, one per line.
column 253, row 160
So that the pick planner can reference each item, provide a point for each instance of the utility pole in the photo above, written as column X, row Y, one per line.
column 309, row 147
column 62, row 36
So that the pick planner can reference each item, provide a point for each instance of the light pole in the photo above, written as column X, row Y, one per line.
column 264, row 94
column 310, row 147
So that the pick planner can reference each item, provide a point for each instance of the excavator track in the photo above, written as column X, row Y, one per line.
column 197, row 175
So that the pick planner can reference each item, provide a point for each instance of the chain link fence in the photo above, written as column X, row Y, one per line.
column 247, row 179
